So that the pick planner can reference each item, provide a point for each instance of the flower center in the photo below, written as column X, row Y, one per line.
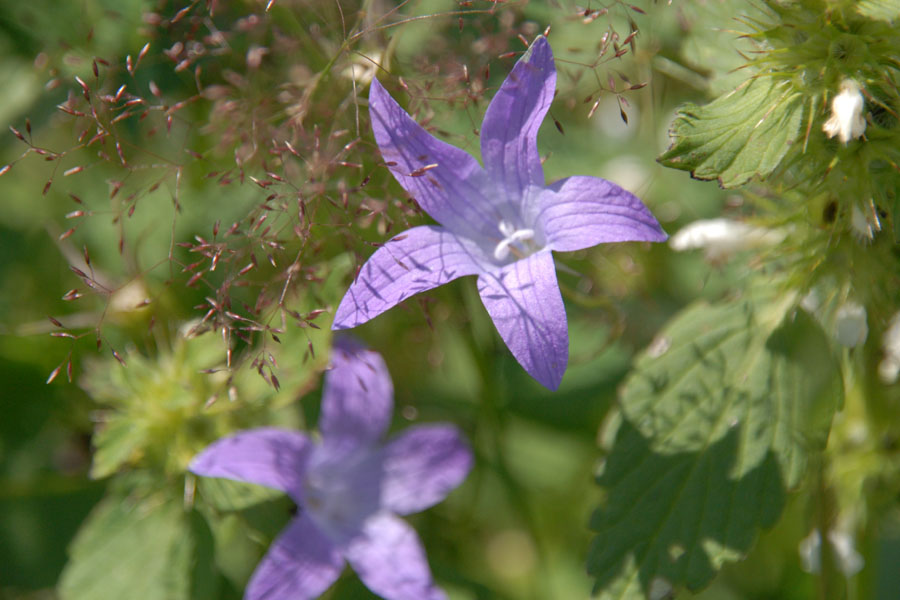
column 341, row 490
column 518, row 242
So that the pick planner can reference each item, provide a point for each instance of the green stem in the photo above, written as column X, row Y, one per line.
column 494, row 418
column 832, row 584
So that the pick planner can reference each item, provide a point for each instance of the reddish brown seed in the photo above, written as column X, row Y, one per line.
column 181, row 13
column 84, row 88
column 122, row 117
column 53, row 374
column 196, row 277
column 67, row 233
column 72, row 294
column 72, row 171
column 422, row 170
column 118, row 357
column 5, row 169
column 143, row 52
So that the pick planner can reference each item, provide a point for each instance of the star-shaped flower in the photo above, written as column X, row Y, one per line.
column 348, row 488
column 499, row 222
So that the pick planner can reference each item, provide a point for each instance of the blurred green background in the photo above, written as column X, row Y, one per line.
column 518, row 527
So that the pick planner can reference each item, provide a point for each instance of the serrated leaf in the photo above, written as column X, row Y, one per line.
column 149, row 549
column 882, row 10
column 719, row 419
column 116, row 444
column 738, row 136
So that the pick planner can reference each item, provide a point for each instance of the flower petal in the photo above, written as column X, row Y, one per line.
column 301, row 564
column 417, row 260
column 390, row 560
column 511, row 123
column 422, row 466
column 446, row 181
column 358, row 395
column 580, row 212
column 524, row 302
column 271, row 457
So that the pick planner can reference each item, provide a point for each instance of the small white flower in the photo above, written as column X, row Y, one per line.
column 720, row 238
column 849, row 561
column 362, row 68
column 863, row 225
column 889, row 367
column 846, row 120
column 843, row 318
column 850, row 327
column 131, row 297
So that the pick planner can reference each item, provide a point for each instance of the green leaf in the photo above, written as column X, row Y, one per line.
column 227, row 495
column 882, row 10
column 719, row 420
column 738, row 136
column 117, row 443
column 152, row 549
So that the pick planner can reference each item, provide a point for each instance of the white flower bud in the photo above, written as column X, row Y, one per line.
column 849, row 561
column 864, row 225
column 850, row 328
column 889, row 367
column 362, row 68
column 846, row 120
column 720, row 238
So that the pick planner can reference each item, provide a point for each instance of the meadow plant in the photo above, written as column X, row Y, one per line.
column 202, row 191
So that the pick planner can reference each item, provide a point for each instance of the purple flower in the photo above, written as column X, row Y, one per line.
column 499, row 222
column 348, row 488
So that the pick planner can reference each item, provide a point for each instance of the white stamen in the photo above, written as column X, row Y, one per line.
column 512, row 237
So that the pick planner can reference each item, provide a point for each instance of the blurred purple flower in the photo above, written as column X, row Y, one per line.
column 499, row 222
column 348, row 488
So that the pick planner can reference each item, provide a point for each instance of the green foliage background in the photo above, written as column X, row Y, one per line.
column 645, row 465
